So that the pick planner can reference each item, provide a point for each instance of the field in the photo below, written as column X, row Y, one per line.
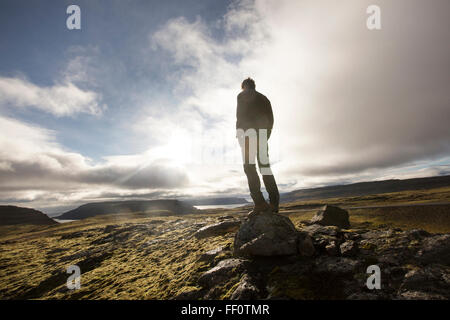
column 139, row 256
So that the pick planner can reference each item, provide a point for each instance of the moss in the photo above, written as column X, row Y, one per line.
column 230, row 287
column 308, row 286
column 368, row 245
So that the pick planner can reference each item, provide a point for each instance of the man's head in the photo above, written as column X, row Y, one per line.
column 248, row 83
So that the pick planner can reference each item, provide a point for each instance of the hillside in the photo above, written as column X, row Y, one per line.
column 367, row 188
column 154, row 207
column 12, row 215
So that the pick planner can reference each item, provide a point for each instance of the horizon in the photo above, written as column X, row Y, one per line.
column 141, row 101
column 55, row 211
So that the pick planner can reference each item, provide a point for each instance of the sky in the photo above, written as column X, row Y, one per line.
column 140, row 103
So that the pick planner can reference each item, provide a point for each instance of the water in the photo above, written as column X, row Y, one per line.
column 63, row 220
column 221, row 206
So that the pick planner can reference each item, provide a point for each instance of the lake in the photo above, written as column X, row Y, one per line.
column 222, row 206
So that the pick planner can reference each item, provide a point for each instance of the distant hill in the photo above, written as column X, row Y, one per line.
column 366, row 188
column 214, row 201
column 12, row 215
column 130, row 206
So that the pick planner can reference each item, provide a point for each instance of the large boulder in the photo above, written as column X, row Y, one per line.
column 332, row 216
column 266, row 235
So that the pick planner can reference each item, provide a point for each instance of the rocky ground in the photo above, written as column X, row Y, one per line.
column 273, row 259
column 224, row 255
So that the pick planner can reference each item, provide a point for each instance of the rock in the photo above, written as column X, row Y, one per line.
column 217, row 229
column 430, row 280
column 349, row 248
column 363, row 296
column 417, row 234
column 317, row 229
column 266, row 235
column 337, row 265
column 224, row 270
column 245, row 290
column 210, row 255
column 332, row 249
column 332, row 216
column 352, row 236
column 420, row 295
column 305, row 246
column 435, row 249
column 227, row 217
column 377, row 234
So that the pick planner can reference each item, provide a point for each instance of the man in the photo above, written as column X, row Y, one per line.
column 254, row 122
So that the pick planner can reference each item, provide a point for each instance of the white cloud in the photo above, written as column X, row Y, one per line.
column 62, row 99
column 33, row 166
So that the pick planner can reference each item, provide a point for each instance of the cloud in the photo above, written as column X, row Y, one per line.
column 33, row 165
column 62, row 99
column 348, row 102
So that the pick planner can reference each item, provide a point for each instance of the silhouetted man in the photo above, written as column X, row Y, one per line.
column 254, row 122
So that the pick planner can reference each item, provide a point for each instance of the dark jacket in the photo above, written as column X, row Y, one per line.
column 253, row 111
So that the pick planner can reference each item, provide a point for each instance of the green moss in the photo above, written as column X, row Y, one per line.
column 368, row 245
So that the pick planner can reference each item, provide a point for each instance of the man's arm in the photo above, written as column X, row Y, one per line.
column 269, row 113
column 238, row 114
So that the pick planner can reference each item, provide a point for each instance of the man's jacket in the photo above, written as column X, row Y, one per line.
column 253, row 111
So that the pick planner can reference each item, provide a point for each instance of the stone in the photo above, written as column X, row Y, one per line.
column 210, row 255
column 337, row 265
column 363, row 296
column 305, row 246
column 435, row 249
column 420, row 295
column 417, row 234
column 332, row 216
column 217, row 229
column 332, row 249
column 349, row 248
column 224, row 270
column 266, row 235
column 317, row 229
column 430, row 280
column 246, row 290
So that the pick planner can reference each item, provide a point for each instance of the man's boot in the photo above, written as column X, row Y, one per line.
column 261, row 207
column 274, row 208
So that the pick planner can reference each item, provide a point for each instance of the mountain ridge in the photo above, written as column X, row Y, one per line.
column 158, row 207
column 13, row 215
column 367, row 188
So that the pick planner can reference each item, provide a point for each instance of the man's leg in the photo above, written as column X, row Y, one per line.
column 254, row 183
column 272, row 190
column 266, row 171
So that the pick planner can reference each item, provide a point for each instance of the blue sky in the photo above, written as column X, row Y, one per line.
column 36, row 43
column 140, row 103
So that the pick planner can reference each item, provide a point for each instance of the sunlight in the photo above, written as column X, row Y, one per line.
column 178, row 149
